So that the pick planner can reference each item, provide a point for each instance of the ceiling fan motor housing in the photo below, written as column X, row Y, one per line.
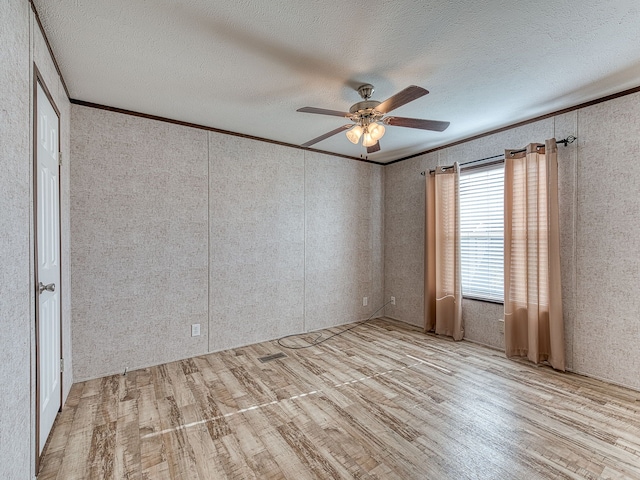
column 365, row 111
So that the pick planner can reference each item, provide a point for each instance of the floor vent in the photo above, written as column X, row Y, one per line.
column 275, row 356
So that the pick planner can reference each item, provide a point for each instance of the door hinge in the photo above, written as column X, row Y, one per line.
column 59, row 158
column 62, row 365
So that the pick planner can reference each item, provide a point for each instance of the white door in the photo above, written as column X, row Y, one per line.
column 48, row 266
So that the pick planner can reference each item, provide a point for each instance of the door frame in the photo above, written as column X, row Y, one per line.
column 39, row 80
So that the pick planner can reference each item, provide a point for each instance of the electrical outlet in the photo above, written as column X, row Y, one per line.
column 365, row 301
column 195, row 330
column 393, row 300
column 500, row 325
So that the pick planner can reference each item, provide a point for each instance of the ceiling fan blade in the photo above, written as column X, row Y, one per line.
column 323, row 111
column 327, row 135
column 403, row 97
column 373, row 149
column 434, row 125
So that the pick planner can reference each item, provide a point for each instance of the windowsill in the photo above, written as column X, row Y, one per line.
column 497, row 302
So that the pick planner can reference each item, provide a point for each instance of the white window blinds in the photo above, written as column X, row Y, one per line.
column 482, row 232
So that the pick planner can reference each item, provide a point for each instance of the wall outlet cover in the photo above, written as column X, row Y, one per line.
column 195, row 330
column 393, row 300
column 365, row 301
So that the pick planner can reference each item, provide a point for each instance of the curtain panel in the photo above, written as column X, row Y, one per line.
column 532, row 293
column 443, row 291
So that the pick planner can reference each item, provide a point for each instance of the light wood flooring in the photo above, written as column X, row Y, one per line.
column 382, row 401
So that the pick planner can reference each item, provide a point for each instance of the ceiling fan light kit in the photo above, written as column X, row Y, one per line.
column 354, row 134
column 370, row 134
column 369, row 117
column 376, row 131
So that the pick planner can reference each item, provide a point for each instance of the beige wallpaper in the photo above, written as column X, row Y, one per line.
column 600, row 253
column 607, row 329
column 343, row 230
column 172, row 226
column 139, row 229
column 256, row 209
column 404, row 237
column 15, row 281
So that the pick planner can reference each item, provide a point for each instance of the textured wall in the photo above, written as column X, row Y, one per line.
column 139, row 241
column 404, row 237
column 607, row 330
column 256, row 200
column 284, row 241
column 344, row 255
column 15, row 282
column 600, row 253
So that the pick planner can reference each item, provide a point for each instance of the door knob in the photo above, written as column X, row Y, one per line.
column 49, row 288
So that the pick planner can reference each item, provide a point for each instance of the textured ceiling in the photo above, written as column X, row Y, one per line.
column 246, row 66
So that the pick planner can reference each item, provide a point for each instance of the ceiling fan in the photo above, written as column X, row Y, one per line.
column 369, row 117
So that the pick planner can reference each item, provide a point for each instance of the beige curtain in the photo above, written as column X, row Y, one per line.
column 443, row 292
column 533, row 324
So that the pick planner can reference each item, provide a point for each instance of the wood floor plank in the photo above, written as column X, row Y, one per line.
column 55, row 449
column 381, row 401
column 75, row 463
column 152, row 448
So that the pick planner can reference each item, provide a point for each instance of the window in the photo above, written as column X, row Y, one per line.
column 482, row 232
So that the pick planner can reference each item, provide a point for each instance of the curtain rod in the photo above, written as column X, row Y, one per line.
column 564, row 141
